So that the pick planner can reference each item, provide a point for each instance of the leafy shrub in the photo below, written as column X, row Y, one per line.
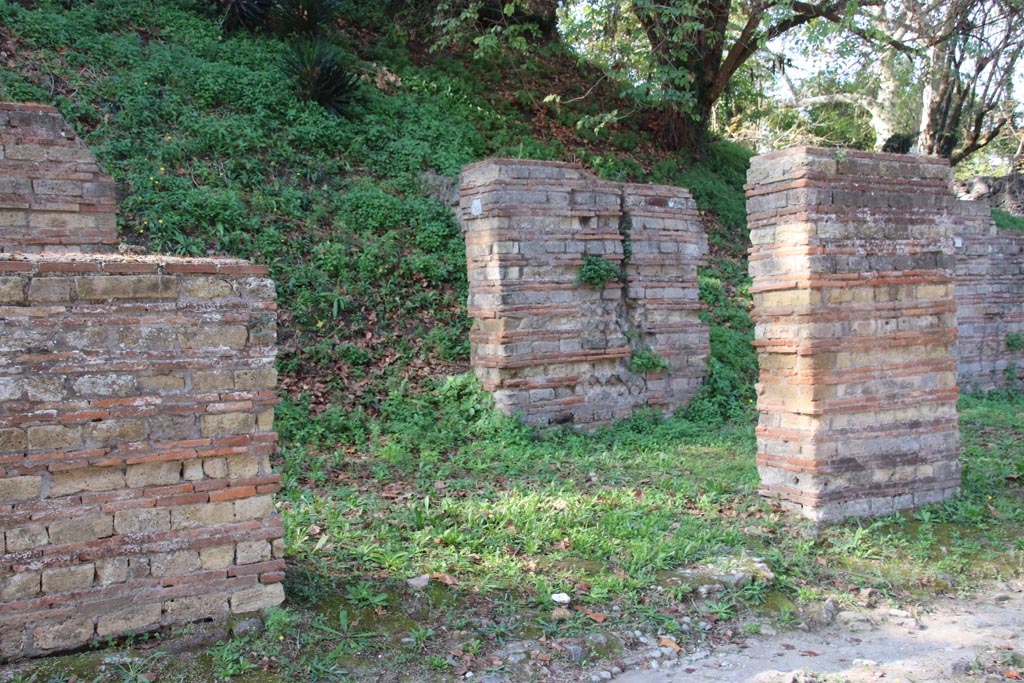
column 646, row 359
column 319, row 76
column 597, row 272
column 1014, row 341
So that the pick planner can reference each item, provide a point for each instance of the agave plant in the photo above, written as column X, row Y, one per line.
column 319, row 75
column 251, row 15
column 305, row 17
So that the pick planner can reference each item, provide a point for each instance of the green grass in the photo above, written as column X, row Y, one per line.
column 1007, row 221
column 499, row 517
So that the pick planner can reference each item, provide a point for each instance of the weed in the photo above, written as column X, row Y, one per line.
column 722, row 610
column 229, row 659
column 1014, row 341
column 362, row 594
column 646, row 359
column 597, row 272
column 437, row 663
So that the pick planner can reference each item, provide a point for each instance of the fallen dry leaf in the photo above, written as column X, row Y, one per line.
column 446, row 579
column 665, row 641
column 596, row 616
column 1012, row 674
column 560, row 614
column 809, row 653
column 787, row 646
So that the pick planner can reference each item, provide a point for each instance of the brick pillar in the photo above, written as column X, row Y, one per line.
column 852, row 263
column 552, row 349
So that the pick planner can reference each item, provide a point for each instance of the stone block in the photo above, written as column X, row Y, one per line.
column 243, row 466
column 26, row 537
column 250, row 552
column 19, row 586
column 206, row 288
column 217, row 556
column 12, row 289
column 226, row 424
column 115, row 431
column 105, row 385
column 49, row 290
column 212, row 380
column 134, row 619
column 186, row 609
column 64, row 635
column 53, row 437
column 202, row 514
column 142, row 520
column 113, row 287
column 92, row 479
column 174, row 563
column 81, row 529
column 259, row 378
column 257, row 598
column 215, row 336
column 13, row 489
column 256, row 507
column 66, row 579
column 110, row 570
column 153, row 474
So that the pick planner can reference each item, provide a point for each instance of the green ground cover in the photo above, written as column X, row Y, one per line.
column 494, row 518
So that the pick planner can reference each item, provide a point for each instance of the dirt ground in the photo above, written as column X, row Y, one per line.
column 980, row 638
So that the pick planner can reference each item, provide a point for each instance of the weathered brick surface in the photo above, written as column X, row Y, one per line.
column 136, row 403
column 53, row 194
column 553, row 350
column 853, row 267
column 989, row 299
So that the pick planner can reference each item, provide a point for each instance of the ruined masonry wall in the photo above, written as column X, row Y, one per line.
column 136, row 425
column 989, row 300
column 551, row 349
column 53, row 193
column 853, row 266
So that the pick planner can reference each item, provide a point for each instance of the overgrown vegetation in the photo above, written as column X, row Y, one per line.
column 395, row 464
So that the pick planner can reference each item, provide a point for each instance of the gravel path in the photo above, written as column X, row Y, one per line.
column 953, row 640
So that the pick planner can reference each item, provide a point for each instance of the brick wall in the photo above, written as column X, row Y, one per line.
column 853, row 268
column 136, row 423
column 53, row 194
column 554, row 350
column 989, row 299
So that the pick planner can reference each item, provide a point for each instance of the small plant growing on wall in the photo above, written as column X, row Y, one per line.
column 597, row 272
column 1015, row 341
column 646, row 359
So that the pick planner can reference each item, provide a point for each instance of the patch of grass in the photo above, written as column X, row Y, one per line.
column 1007, row 221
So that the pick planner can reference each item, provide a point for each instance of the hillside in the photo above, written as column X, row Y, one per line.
column 213, row 153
